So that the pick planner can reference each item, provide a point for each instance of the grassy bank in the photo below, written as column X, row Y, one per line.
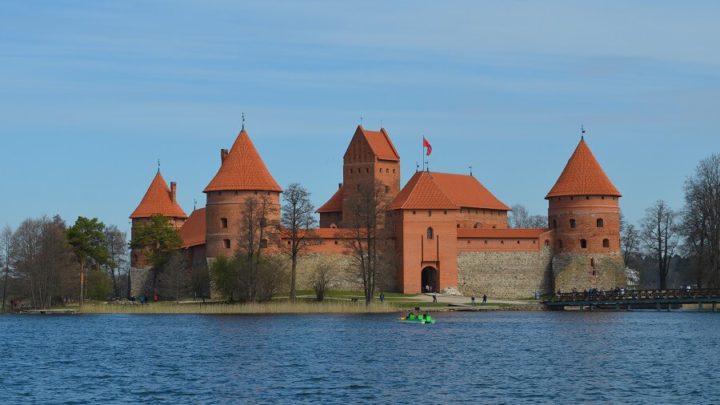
column 275, row 307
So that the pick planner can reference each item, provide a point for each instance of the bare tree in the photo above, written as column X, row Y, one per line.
column 117, row 248
column 5, row 260
column 660, row 237
column 629, row 240
column 521, row 218
column 322, row 280
column 701, row 220
column 297, row 218
column 369, row 244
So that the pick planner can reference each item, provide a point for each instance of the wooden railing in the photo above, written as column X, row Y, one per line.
column 636, row 295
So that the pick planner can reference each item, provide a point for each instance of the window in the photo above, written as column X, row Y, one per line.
column 430, row 233
column 554, row 223
column 226, row 242
column 600, row 223
column 573, row 223
column 429, row 213
column 518, row 242
column 413, row 212
column 559, row 244
column 224, row 222
column 547, row 242
column 606, row 243
column 336, row 242
column 477, row 225
column 387, row 189
column 583, row 243
column 387, row 170
column 367, row 170
column 445, row 212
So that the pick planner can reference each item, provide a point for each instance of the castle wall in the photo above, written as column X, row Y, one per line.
column 482, row 218
column 579, row 271
column 505, row 275
column 327, row 219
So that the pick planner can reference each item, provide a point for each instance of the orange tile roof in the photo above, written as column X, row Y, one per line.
column 422, row 192
column 467, row 192
column 487, row 233
column 583, row 175
column 158, row 201
column 192, row 232
column 429, row 190
column 243, row 169
column 334, row 204
column 380, row 144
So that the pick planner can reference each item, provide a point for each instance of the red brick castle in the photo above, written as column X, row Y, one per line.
column 447, row 230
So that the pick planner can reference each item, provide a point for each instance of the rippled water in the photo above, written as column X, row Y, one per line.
column 502, row 357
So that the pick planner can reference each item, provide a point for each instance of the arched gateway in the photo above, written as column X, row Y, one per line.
column 430, row 279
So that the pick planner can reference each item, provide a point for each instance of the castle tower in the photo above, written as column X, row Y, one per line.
column 158, row 200
column 584, row 212
column 242, row 175
column 370, row 159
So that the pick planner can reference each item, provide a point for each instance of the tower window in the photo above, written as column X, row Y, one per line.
column 429, row 213
column 430, row 234
column 573, row 223
column 477, row 225
column 583, row 243
column 554, row 223
column 606, row 243
column 600, row 223
column 224, row 222
column 226, row 242
column 387, row 189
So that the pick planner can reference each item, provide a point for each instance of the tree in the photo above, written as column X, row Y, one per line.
column 322, row 280
column 157, row 239
column 225, row 276
column 369, row 244
column 87, row 238
column 629, row 240
column 5, row 260
column 701, row 220
column 521, row 218
column 116, row 245
column 297, row 219
column 659, row 234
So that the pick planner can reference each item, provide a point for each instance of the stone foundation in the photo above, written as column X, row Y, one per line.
column 509, row 275
column 583, row 271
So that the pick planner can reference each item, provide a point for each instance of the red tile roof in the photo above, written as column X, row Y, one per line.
column 467, row 192
column 158, row 201
column 583, row 175
column 422, row 192
column 334, row 204
column 427, row 190
column 380, row 144
column 192, row 232
column 487, row 233
column 243, row 169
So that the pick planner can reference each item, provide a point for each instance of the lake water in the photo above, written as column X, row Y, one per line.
column 500, row 357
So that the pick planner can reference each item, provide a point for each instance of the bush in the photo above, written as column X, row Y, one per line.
column 321, row 280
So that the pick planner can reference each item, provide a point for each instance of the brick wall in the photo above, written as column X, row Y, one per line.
column 505, row 274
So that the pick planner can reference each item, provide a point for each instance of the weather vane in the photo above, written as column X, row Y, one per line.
column 158, row 165
column 470, row 167
column 582, row 131
column 243, row 121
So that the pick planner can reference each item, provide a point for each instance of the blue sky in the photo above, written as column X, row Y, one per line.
column 93, row 93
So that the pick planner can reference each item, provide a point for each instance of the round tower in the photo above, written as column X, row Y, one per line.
column 159, row 199
column 242, row 175
column 584, row 212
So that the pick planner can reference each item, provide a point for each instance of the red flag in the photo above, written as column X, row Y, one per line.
column 427, row 145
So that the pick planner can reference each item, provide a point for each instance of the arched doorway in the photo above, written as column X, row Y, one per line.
column 430, row 279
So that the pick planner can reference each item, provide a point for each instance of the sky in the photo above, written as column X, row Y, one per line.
column 93, row 93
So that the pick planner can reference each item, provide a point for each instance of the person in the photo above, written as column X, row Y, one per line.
column 472, row 299
column 484, row 298
column 427, row 288
column 434, row 297
column 382, row 297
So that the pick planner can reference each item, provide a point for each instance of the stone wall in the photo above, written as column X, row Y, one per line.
column 582, row 271
column 343, row 276
column 139, row 278
column 505, row 274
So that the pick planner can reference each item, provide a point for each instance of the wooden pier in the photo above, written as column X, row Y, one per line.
column 625, row 300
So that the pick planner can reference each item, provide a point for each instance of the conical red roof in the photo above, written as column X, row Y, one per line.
column 583, row 175
column 243, row 169
column 158, row 200
column 334, row 204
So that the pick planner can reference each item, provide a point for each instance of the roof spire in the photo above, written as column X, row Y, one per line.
column 194, row 204
column 158, row 165
column 243, row 122
column 582, row 132
column 361, row 119
column 470, row 167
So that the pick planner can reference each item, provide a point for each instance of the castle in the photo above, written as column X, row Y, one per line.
column 448, row 231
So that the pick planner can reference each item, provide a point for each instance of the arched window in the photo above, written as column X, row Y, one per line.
column 477, row 225
column 430, row 233
column 583, row 243
column 547, row 242
column 600, row 223
column 573, row 223
column 606, row 243
column 554, row 223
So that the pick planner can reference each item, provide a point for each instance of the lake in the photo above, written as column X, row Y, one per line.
column 497, row 357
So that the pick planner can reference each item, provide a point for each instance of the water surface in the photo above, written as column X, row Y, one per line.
column 500, row 357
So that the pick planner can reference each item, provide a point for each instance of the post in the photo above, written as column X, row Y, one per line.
column 714, row 307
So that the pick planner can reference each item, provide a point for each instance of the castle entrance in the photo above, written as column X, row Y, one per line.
column 430, row 279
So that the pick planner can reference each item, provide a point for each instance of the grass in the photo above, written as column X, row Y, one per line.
column 274, row 307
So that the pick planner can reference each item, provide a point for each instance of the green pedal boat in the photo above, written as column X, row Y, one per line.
column 419, row 319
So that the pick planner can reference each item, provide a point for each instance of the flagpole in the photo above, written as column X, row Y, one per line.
column 422, row 152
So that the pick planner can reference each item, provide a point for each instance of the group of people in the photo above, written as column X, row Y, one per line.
column 416, row 315
column 484, row 299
